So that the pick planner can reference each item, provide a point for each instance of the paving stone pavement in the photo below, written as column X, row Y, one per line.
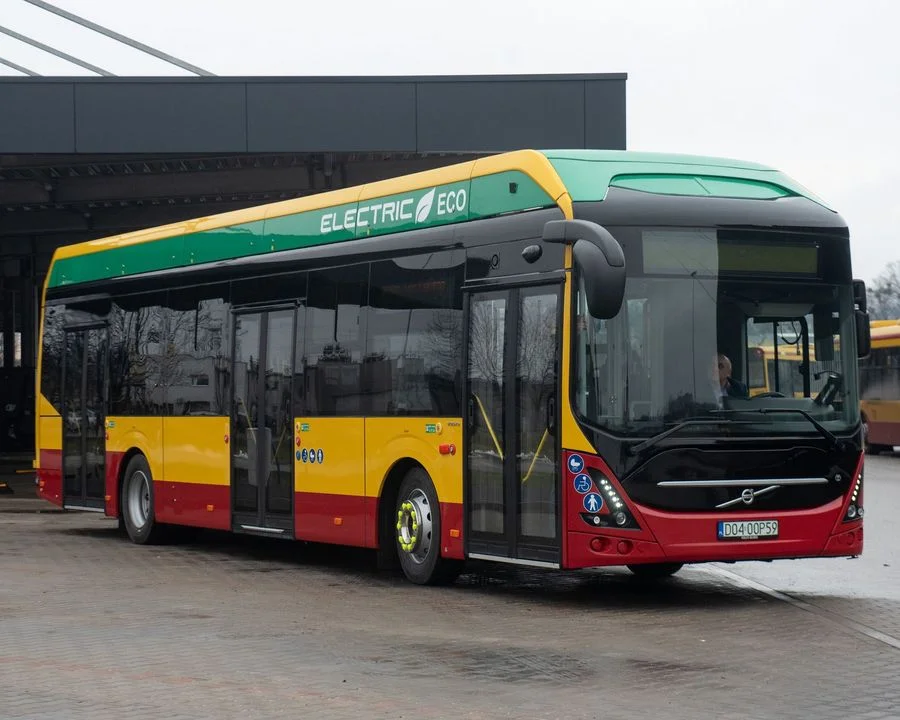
column 92, row 626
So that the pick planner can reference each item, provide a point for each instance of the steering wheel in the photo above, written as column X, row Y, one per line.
column 770, row 395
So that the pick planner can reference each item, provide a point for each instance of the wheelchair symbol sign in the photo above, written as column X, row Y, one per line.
column 583, row 483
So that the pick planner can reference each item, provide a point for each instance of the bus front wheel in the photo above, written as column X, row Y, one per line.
column 655, row 571
column 418, row 532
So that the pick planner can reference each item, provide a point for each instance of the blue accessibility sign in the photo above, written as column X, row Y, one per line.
column 320, row 456
column 583, row 483
column 305, row 455
column 312, row 456
column 576, row 463
column 593, row 502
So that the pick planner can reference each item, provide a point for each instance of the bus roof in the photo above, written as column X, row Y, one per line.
column 487, row 187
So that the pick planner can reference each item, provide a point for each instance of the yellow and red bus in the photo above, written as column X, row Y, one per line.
column 509, row 359
column 879, row 379
column 789, row 369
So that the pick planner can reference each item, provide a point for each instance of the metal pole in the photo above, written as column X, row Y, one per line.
column 14, row 66
column 117, row 36
column 54, row 51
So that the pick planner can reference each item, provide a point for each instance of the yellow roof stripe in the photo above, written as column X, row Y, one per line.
column 530, row 162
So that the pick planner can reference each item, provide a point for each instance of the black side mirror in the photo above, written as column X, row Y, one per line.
column 859, row 295
column 863, row 334
column 599, row 259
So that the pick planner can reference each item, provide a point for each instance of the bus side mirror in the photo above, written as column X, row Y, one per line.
column 863, row 334
column 600, row 262
column 859, row 295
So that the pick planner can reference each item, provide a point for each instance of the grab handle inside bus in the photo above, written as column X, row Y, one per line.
column 599, row 260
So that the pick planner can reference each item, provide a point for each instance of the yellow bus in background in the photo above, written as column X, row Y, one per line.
column 783, row 371
column 879, row 379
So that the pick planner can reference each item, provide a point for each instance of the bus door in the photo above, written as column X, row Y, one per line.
column 84, row 418
column 512, row 468
column 262, row 452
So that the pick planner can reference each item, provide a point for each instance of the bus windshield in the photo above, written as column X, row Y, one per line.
column 707, row 331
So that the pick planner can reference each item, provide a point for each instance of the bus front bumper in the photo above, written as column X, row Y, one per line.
column 696, row 537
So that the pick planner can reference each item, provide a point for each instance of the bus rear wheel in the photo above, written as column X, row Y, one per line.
column 137, row 503
column 418, row 532
column 655, row 571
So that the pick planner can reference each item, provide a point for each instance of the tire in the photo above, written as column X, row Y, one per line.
column 655, row 571
column 417, row 532
column 137, row 503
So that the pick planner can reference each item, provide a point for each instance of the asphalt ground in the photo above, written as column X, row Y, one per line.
column 226, row 626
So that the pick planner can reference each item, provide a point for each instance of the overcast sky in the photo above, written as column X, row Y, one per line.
column 811, row 87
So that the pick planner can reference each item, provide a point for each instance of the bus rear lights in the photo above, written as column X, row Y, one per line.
column 621, row 518
column 624, row 547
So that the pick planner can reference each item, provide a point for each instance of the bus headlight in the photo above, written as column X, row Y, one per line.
column 620, row 515
column 855, row 508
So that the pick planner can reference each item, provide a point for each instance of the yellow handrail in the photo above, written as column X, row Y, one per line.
column 536, row 453
column 489, row 426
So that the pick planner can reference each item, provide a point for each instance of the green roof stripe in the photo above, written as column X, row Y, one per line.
column 450, row 203
column 586, row 174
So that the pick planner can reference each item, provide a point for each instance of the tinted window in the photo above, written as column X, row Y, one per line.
column 879, row 375
column 196, row 359
column 414, row 348
column 271, row 289
column 335, row 340
column 51, row 360
column 137, row 354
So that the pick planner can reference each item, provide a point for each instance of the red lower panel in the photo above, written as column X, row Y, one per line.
column 848, row 542
column 338, row 519
column 113, row 469
column 353, row 520
column 451, row 531
column 50, row 476
column 587, row 549
column 692, row 537
column 194, row 504
column 884, row 433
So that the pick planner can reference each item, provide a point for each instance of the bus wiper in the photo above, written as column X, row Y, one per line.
column 651, row 441
column 826, row 433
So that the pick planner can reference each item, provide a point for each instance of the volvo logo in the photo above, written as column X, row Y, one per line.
column 747, row 496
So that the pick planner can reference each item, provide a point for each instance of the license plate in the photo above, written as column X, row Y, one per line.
column 747, row 529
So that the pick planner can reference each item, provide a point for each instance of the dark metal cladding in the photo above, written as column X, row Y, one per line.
column 633, row 207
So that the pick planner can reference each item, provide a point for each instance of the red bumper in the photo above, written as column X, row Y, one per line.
column 693, row 537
